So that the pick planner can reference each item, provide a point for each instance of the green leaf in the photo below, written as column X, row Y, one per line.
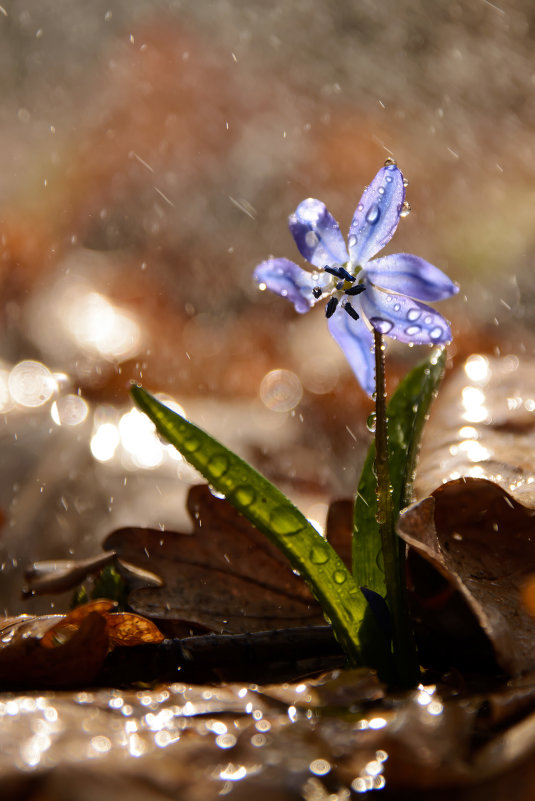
column 407, row 412
column 273, row 514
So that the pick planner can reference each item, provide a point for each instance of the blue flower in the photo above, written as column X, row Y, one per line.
column 361, row 294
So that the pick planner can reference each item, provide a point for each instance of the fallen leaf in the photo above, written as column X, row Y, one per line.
column 483, row 541
column 225, row 576
column 126, row 629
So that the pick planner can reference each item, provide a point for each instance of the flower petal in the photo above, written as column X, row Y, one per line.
column 317, row 234
column 289, row 280
column 356, row 341
column 377, row 215
column 410, row 275
column 402, row 318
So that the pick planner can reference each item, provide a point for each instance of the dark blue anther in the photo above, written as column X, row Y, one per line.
column 351, row 311
column 330, row 308
column 340, row 272
column 316, row 292
column 355, row 290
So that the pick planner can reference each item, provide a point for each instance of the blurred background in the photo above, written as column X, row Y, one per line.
column 150, row 153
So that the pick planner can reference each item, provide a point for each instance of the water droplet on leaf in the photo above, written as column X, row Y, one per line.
column 244, row 495
column 284, row 520
column 319, row 555
column 217, row 465
column 339, row 576
column 371, row 422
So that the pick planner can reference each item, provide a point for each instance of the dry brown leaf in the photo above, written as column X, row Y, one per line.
column 225, row 577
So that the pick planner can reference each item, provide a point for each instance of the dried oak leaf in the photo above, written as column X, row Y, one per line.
column 483, row 541
column 224, row 577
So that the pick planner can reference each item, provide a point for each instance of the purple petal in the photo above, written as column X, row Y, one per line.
column 377, row 215
column 402, row 318
column 356, row 341
column 289, row 280
column 412, row 276
column 317, row 234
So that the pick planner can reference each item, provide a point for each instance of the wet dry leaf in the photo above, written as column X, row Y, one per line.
column 225, row 576
column 68, row 624
column 26, row 662
column 68, row 650
column 483, row 541
column 478, row 525
column 126, row 629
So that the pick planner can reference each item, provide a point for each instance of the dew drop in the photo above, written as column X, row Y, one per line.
column 405, row 209
column 397, row 307
column 339, row 576
column 191, row 444
column 405, row 183
column 216, row 493
column 284, row 520
column 244, row 495
column 381, row 190
column 311, row 239
column 371, row 422
column 412, row 330
column 373, row 215
column 390, row 163
column 380, row 516
column 360, row 207
column 428, row 319
column 217, row 465
column 352, row 241
column 436, row 332
column 381, row 325
column 413, row 315
column 319, row 555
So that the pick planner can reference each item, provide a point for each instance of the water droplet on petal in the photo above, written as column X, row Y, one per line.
column 381, row 190
column 360, row 207
column 412, row 330
column 428, row 319
column 405, row 183
column 413, row 314
column 405, row 209
column 371, row 422
column 436, row 332
column 311, row 239
column 390, row 163
column 373, row 215
column 397, row 307
column 352, row 241
column 381, row 325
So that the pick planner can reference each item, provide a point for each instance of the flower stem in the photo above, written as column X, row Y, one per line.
column 393, row 549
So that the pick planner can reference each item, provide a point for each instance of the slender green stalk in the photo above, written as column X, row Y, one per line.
column 393, row 550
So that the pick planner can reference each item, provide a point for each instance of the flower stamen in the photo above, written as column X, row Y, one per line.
column 351, row 311
column 330, row 308
column 355, row 290
column 340, row 272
